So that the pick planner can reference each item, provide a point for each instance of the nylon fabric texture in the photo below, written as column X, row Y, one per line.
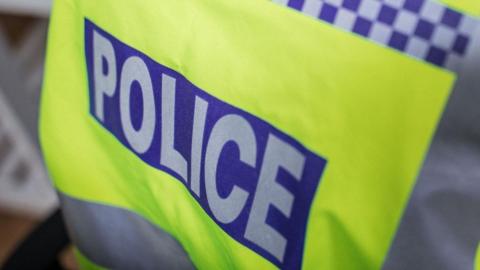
column 368, row 110
column 468, row 6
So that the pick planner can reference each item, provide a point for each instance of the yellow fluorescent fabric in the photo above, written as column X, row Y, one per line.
column 471, row 7
column 85, row 263
column 368, row 110
column 477, row 259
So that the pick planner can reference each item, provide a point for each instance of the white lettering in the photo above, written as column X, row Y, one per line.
column 233, row 128
column 135, row 69
column 269, row 192
column 169, row 156
column 104, row 83
column 199, row 117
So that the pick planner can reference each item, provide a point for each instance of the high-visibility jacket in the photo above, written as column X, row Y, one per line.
column 248, row 134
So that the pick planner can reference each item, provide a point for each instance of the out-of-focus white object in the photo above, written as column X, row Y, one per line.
column 24, row 185
column 28, row 7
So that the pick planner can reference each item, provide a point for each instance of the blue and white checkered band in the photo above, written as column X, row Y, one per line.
column 424, row 29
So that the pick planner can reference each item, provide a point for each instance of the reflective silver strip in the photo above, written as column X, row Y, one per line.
column 441, row 226
column 115, row 238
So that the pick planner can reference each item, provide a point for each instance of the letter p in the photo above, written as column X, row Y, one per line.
column 105, row 78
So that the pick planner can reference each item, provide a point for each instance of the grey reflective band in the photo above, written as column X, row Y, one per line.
column 115, row 238
column 441, row 226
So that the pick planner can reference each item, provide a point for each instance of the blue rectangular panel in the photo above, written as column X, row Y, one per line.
column 287, row 211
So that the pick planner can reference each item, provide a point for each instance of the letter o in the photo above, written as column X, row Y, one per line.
column 135, row 69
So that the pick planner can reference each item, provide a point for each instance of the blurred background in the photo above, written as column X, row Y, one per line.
column 26, row 196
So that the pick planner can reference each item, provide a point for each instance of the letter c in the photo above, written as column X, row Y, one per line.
column 236, row 129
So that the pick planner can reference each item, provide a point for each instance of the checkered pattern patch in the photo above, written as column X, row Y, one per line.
column 424, row 29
